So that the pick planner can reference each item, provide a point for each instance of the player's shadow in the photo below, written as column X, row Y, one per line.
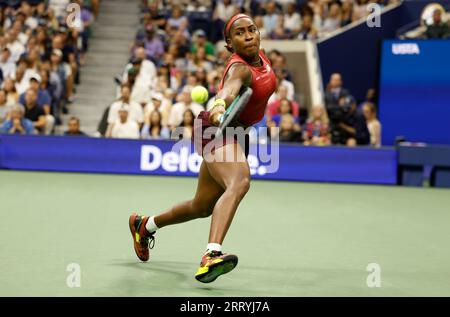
column 175, row 273
column 162, row 267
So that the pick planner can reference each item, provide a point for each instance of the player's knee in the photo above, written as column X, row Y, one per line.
column 202, row 210
column 241, row 186
column 205, row 213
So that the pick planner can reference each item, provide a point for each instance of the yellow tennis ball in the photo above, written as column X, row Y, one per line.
column 199, row 94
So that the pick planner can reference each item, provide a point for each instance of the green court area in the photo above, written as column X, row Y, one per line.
column 292, row 239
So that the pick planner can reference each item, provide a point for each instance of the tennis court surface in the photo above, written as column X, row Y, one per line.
column 292, row 239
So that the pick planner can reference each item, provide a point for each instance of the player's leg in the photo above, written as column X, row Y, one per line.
column 234, row 176
column 201, row 206
column 143, row 228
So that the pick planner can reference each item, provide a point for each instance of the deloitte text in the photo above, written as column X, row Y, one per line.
column 184, row 160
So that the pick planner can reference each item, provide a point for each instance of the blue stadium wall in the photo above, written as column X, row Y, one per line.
column 99, row 155
column 355, row 53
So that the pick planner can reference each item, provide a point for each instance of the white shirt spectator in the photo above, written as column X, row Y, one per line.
column 16, row 48
column 292, row 22
column 330, row 24
column 147, row 75
column 31, row 22
column 136, row 113
column 23, row 38
column 24, row 84
column 59, row 6
column 223, row 12
column 290, row 88
column 8, row 68
column 178, row 109
column 290, row 91
column 149, row 107
column 127, row 130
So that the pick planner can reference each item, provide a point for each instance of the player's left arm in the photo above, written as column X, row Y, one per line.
column 238, row 75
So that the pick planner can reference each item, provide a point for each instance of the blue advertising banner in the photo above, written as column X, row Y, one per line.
column 415, row 91
column 160, row 157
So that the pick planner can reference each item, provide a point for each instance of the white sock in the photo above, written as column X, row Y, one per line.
column 213, row 247
column 151, row 225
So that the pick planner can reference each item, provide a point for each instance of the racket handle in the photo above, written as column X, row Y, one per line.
column 221, row 117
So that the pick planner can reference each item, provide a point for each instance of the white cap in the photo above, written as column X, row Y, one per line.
column 157, row 96
column 124, row 107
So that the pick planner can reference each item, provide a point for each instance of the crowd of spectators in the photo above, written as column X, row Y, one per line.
column 438, row 29
column 42, row 48
column 170, row 56
column 174, row 51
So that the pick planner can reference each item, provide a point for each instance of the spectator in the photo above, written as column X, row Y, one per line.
column 286, row 132
column 156, row 16
column 273, row 106
column 59, row 7
column 87, row 20
column 223, row 11
column 292, row 20
column 334, row 91
column 439, row 29
column 307, row 29
column 285, row 107
column 348, row 125
column 187, row 125
column 147, row 69
column 123, row 127
column 371, row 97
column 160, row 104
column 316, row 9
column 178, row 22
column 259, row 22
column 139, row 83
column 134, row 109
column 22, row 76
column 178, row 109
column 199, row 62
column 62, row 70
column 4, row 107
column 283, row 82
column 333, row 21
column 17, row 124
column 74, row 128
column 44, row 100
column 12, row 97
column 271, row 18
column 373, row 125
column 360, row 9
column 68, row 48
column 200, row 41
column 316, row 131
column 347, row 13
column 153, row 128
column 34, row 113
column 15, row 45
column 51, row 80
column 7, row 65
column 153, row 45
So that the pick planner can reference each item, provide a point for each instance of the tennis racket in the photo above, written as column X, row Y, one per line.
column 234, row 110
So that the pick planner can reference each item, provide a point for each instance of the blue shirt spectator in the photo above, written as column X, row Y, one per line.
column 17, row 124
column 271, row 18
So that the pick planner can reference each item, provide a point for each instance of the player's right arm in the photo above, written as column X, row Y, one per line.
column 238, row 75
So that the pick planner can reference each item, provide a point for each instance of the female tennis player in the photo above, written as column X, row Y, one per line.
column 221, row 184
